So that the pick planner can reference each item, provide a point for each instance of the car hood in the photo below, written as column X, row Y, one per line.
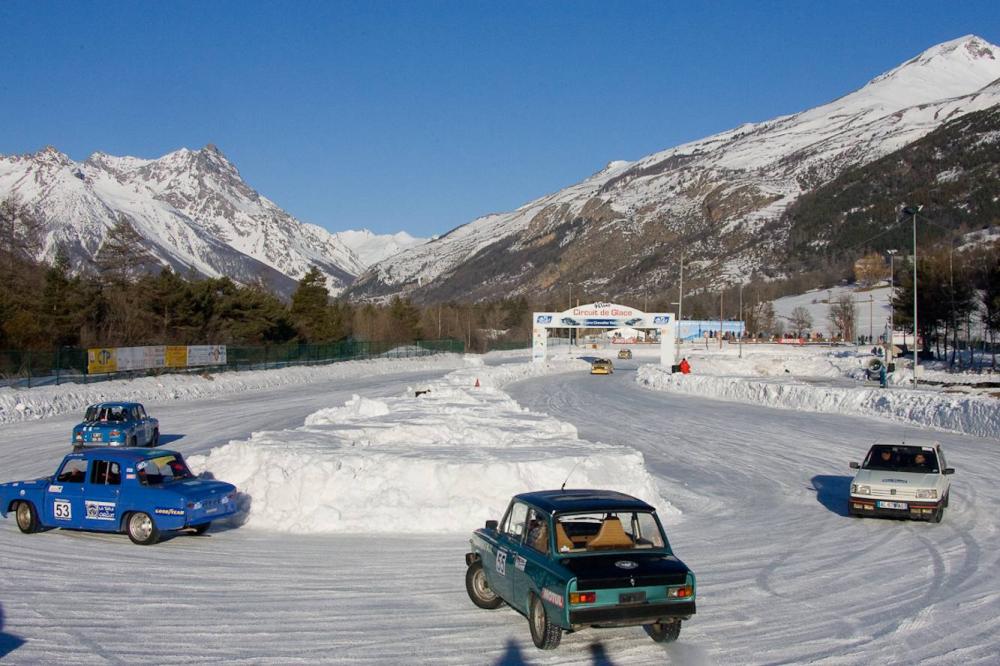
column 877, row 477
column 594, row 572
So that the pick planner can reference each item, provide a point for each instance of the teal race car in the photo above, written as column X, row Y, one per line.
column 572, row 559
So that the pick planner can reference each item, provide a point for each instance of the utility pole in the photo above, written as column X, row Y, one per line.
column 871, row 317
column 680, row 297
column 892, row 310
column 913, row 210
column 740, row 321
column 722, row 294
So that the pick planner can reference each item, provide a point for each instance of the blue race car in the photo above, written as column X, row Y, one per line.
column 116, row 424
column 137, row 491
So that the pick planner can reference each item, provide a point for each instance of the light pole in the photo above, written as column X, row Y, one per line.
column 680, row 298
column 892, row 311
column 913, row 210
column 739, row 323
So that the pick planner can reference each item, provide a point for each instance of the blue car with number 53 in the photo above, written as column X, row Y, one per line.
column 116, row 424
column 141, row 492
column 571, row 559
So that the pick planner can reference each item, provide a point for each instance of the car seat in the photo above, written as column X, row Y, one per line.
column 611, row 535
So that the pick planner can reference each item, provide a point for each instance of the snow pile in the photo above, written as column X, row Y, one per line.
column 443, row 461
column 44, row 401
column 974, row 415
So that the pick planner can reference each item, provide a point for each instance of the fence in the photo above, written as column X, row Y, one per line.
column 37, row 368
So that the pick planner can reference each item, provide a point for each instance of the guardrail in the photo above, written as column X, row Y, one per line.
column 25, row 369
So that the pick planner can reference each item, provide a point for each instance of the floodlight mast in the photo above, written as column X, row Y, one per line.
column 913, row 210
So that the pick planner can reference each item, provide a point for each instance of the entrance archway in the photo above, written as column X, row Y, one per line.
column 604, row 315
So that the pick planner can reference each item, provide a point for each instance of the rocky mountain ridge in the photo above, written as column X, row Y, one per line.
column 718, row 201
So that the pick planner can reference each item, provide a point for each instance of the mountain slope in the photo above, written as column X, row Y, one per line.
column 621, row 231
column 192, row 208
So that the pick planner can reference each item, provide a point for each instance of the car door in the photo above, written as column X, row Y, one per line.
column 64, row 499
column 101, row 495
column 531, row 559
column 508, row 545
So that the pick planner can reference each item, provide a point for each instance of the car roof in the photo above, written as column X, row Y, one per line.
column 924, row 443
column 123, row 454
column 114, row 404
column 567, row 501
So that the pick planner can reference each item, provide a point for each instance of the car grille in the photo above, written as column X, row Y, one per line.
column 900, row 493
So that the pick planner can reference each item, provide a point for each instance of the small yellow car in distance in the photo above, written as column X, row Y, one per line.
column 601, row 366
column 625, row 353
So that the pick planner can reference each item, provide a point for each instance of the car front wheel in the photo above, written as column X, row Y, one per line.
column 27, row 517
column 142, row 530
column 479, row 590
column 544, row 634
column 664, row 632
column 938, row 515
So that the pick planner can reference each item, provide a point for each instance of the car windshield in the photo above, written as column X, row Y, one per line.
column 608, row 530
column 163, row 469
column 915, row 459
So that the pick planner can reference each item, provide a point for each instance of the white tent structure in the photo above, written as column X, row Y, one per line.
column 626, row 333
column 604, row 315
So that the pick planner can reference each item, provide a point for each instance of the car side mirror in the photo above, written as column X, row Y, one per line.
column 949, row 470
column 855, row 465
column 491, row 524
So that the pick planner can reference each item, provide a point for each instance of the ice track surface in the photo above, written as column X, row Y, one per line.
column 784, row 576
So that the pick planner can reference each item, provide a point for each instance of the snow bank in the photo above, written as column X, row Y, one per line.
column 974, row 415
column 444, row 461
column 45, row 401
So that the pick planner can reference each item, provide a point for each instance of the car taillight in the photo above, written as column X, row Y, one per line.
column 680, row 592
column 78, row 436
column 582, row 597
column 115, row 433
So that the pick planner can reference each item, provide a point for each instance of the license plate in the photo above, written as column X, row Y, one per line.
column 96, row 437
column 631, row 597
column 892, row 505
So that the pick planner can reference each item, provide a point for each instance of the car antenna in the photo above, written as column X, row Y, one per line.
column 563, row 486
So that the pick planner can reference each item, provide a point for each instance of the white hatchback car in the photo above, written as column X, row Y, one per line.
column 908, row 480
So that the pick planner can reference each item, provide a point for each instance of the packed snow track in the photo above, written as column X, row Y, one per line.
column 784, row 575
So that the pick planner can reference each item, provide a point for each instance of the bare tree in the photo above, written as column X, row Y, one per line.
column 800, row 320
column 20, row 233
column 843, row 316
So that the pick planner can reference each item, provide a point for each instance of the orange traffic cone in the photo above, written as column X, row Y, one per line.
column 477, row 382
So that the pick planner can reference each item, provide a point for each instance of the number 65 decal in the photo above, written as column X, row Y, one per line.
column 61, row 510
column 502, row 562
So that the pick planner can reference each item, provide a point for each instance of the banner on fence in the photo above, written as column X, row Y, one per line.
column 119, row 359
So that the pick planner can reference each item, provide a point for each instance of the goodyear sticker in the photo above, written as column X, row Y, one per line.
column 169, row 512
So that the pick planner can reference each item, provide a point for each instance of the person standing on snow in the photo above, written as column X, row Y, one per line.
column 685, row 367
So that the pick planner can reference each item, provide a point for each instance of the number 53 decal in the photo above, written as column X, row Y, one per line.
column 61, row 510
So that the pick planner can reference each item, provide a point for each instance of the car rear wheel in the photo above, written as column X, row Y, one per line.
column 142, row 530
column 544, row 634
column 132, row 442
column 479, row 590
column 156, row 438
column 664, row 632
column 27, row 517
column 201, row 529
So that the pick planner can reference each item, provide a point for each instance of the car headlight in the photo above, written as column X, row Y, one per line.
column 927, row 494
column 861, row 490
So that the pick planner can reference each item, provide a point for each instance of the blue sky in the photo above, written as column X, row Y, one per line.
column 420, row 116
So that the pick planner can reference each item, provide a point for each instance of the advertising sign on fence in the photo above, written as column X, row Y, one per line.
column 119, row 359
column 206, row 355
column 101, row 360
column 176, row 356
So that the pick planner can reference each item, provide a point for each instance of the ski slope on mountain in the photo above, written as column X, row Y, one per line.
column 784, row 575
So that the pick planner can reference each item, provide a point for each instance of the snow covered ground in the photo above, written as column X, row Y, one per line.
column 871, row 309
column 370, row 568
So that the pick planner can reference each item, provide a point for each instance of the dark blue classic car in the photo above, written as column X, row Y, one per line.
column 138, row 491
column 116, row 424
column 571, row 559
